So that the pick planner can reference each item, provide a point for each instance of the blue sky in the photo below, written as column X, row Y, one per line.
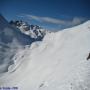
column 51, row 14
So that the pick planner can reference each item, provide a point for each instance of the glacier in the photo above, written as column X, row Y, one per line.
column 58, row 62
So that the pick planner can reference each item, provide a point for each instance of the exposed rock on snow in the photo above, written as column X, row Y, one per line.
column 11, row 40
column 34, row 31
column 88, row 57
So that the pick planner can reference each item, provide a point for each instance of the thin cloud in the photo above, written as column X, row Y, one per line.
column 74, row 21
column 52, row 20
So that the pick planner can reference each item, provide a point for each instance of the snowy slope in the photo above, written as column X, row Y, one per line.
column 59, row 62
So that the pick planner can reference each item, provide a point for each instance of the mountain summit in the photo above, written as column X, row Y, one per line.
column 34, row 31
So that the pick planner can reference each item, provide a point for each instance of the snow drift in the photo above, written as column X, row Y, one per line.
column 59, row 62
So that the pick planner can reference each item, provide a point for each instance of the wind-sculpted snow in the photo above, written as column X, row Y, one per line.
column 58, row 62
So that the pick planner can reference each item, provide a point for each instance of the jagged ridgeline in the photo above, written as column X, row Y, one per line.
column 34, row 31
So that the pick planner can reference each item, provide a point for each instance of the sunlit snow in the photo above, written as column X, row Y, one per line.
column 58, row 62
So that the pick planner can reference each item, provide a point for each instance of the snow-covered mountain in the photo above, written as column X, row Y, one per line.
column 34, row 31
column 61, row 61
column 12, row 39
